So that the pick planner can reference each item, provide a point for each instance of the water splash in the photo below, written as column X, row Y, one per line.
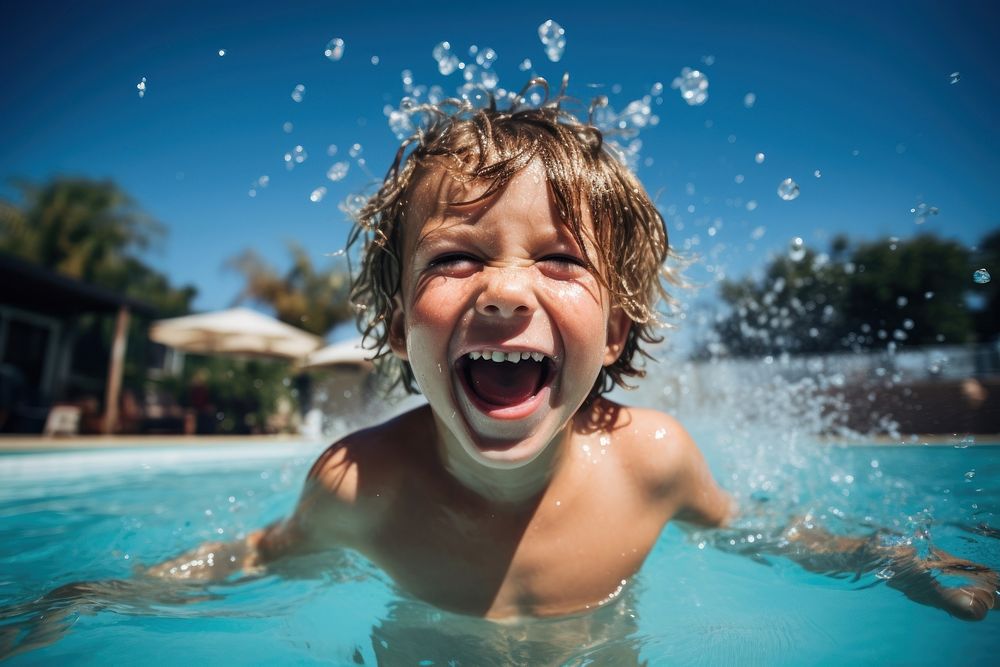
column 553, row 38
column 352, row 205
column 693, row 86
column 447, row 61
column 297, row 155
column 486, row 57
column 788, row 189
column 337, row 171
column 922, row 211
column 796, row 250
column 334, row 49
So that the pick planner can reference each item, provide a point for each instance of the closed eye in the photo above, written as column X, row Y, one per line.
column 454, row 262
column 567, row 265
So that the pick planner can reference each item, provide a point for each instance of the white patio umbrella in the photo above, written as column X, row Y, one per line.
column 348, row 352
column 237, row 331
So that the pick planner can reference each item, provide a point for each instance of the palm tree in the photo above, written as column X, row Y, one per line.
column 79, row 227
column 311, row 299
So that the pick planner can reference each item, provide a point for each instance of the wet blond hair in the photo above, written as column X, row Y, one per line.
column 491, row 146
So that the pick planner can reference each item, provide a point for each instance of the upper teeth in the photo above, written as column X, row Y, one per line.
column 496, row 355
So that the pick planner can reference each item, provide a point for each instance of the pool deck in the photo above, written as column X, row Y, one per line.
column 22, row 444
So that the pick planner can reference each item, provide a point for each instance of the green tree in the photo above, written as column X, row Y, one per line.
column 987, row 256
column 92, row 231
column 857, row 297
column 304, row 296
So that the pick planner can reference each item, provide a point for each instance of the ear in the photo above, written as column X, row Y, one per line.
column 619, row 324
column 397, row 329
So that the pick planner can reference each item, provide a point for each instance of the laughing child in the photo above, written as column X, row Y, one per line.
column 511, row 272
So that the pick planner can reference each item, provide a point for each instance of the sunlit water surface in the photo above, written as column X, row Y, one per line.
column 89, row 516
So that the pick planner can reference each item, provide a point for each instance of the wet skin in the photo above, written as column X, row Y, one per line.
column 537, row 507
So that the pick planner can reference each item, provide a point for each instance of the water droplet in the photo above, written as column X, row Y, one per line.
column 749, row 100
column 375, row 60
column 885, row 573
column 758, row 233
column 901, row 301
column 739, row 178
column 141, row 87
column 922, row 211
column 788, row 189
column 486, row 57
column 263, row 181
column 331, row 150
column 752, row 205
column 818, row 174
column 553, row 39
column 298, row 92
column 295, row 156
column 287, row 127
column 334, row 49
column 317, row 194
column 353, row 204
column 407, row 77
column 759, row 158
column 954, row 77
column 446, row 60
column 693, row 86
column 970, row 474
column 222, row 53
column 981, row 277
column 708, row 60
column 400, row 124
column 525, row 65
column 355, row 150
column 796, row 249
column 337, row 171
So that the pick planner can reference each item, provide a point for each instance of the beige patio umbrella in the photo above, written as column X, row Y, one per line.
column 237, row 331
column 348, row 353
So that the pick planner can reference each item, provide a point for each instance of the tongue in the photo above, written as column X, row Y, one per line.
column 504, row 383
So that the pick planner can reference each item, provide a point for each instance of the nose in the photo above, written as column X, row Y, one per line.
column 507, row 293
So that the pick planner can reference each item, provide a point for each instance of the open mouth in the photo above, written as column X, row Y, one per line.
column 498, row 380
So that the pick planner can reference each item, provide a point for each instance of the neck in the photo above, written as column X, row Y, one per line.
column 503, row 485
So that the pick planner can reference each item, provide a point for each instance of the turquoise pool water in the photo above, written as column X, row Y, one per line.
column 94, row 515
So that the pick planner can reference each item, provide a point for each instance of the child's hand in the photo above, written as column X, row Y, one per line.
column 211, row 561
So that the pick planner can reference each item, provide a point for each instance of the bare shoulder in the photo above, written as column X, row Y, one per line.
column 348, row 488
column 665, row 461
column 653, row 445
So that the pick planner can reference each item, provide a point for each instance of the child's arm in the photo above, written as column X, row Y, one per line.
column 700, row 500
column 318, row 523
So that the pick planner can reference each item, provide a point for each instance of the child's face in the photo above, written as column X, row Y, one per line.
column 501, row 277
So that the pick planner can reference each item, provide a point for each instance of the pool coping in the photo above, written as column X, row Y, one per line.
column 20, row 444
column 13, row 443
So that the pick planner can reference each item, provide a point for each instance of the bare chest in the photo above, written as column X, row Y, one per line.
column 564, row 556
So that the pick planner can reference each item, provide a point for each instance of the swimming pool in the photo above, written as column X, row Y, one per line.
column 94, row 515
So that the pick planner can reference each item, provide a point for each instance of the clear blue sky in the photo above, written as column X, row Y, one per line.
column 859, row 91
